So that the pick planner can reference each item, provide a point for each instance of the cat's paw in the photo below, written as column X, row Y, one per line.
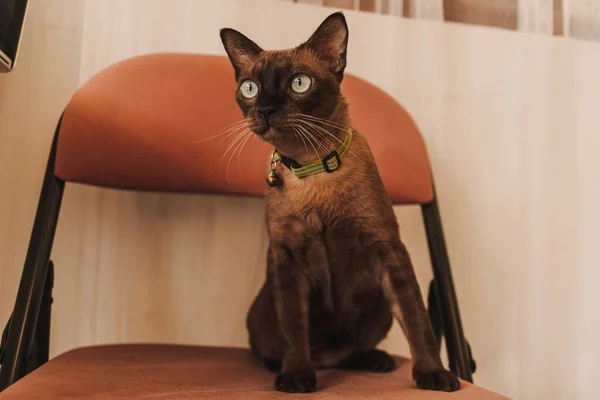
column 303, row 381
column 372, row 361
column 440, row 379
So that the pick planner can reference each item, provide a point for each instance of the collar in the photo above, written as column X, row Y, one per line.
column 330, row 163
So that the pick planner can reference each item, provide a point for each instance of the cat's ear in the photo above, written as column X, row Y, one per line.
column 330, row 42
column 241, row 50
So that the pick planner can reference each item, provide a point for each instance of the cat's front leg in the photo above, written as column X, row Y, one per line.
column 291, row 288
column 402, row 291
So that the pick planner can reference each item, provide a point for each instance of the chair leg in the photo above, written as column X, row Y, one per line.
column 41, row 342
column 456, row 345
column 435, row 316
column 34, row 279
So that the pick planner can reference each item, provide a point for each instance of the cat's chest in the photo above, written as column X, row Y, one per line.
column 322, row 195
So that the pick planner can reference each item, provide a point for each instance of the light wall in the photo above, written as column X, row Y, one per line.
column 511, row 121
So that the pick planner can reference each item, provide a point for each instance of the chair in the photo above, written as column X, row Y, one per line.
column 132, row 126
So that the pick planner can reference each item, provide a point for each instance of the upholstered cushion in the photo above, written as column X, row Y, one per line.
column 149, row 123
column 185, row 372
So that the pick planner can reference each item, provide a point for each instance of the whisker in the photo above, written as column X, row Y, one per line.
column 320, row 128
column 309, row 126
column 325, row 121
column 310, row 138
column 239, row 137
column 237, row 130
column 322, row 131
column 244, row 138
column 232, row 126
column 303, row 141
column 315, row 121
column 243, row 144
column 295, row 134
column 236, row 123
column 321, row 145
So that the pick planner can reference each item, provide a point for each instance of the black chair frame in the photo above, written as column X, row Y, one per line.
column 26, row 338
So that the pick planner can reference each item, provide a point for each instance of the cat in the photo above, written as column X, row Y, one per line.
column 337, row 271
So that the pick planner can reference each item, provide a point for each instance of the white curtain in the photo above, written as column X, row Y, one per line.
column 572, row 18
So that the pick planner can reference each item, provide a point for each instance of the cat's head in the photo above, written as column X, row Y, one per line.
column 279, row 89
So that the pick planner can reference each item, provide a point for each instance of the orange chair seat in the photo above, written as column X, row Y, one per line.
column 185, row 372
column 149, row 123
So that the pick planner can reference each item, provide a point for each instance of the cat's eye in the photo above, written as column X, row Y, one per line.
column 249, row 89
column 301, row 83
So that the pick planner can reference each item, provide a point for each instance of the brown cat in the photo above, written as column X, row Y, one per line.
column 337, row 270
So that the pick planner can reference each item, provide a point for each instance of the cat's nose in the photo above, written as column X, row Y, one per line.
column 266, row 112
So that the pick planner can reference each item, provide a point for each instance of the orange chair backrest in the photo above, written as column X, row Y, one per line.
column 152, row 122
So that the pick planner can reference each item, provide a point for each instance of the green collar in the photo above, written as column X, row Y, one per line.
column 330, row 163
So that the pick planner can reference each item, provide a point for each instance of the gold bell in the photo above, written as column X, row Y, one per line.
column 272, row 179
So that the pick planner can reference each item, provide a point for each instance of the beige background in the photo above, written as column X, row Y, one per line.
column 511, row 120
